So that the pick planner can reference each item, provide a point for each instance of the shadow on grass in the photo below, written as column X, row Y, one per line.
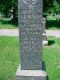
column 11, row 22
column 52, row 24
column 51, row 42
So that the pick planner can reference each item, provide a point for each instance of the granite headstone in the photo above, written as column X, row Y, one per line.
column 30, row 35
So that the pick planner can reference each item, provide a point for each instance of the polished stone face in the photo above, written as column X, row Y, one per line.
column 30, row 30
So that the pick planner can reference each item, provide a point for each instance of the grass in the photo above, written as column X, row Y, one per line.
column 7, row 24
column 52, row 58
column 52, row 23
column 9, row 58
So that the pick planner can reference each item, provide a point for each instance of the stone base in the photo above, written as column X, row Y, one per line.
column 44, row 43
column 31, row 75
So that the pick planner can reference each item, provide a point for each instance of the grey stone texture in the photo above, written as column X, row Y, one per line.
column 30, row 31
column 30, row 74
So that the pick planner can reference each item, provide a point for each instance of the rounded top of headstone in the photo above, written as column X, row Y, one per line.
column 30, row 1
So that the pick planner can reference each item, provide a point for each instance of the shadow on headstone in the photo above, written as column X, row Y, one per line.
column 51, row 42
column 44, row 68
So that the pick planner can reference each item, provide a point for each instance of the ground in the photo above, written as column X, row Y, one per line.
column 51, row 57
column 9, row 51
column 9, row 58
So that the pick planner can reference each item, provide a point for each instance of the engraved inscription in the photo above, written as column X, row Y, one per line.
column 30, row 1
column 30, row 30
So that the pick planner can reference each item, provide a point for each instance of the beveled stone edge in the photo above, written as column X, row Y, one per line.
column 33, row 73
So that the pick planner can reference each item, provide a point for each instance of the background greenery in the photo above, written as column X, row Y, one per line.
column 52, row 23
column 8, row 24
column 49, row 6
column 7, row 5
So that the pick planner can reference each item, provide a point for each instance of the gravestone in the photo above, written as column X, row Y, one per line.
column 45, row 41
column 30, row 35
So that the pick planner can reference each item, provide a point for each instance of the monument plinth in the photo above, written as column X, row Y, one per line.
column 30, row 35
